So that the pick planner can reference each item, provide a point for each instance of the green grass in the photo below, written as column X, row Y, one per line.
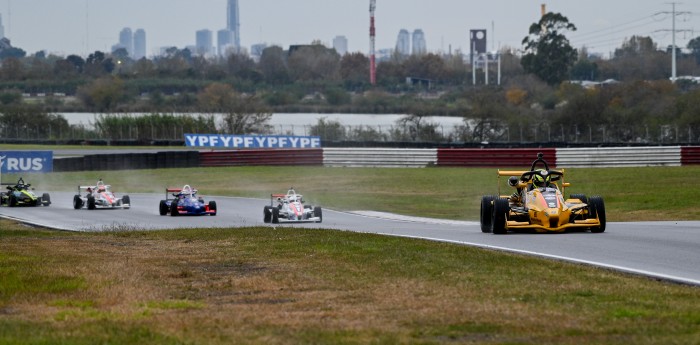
column 293, row 285
column 630, row 194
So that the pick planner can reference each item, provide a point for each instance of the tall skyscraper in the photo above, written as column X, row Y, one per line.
column 403, row 43
column 419, row 46
column 340, row 44
column 2, row 28
column 234, row 23
column 204, row 42
column 126, row 40
column 139, row 44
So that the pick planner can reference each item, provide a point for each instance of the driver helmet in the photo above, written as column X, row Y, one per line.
column 293, row 198
column 101, row 189
column 542, row 179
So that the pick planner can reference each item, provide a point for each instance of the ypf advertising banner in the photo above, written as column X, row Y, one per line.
column 252, row 141
column 26, row 161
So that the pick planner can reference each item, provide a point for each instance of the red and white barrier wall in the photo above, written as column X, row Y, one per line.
column 415, row 158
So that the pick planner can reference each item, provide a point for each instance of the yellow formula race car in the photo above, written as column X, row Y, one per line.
column 538, row 204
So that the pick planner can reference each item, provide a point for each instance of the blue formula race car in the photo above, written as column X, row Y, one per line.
column 185, row 202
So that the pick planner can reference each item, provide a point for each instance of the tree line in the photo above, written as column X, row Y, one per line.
column 534, row 96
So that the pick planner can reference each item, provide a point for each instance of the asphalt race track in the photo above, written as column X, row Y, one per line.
column 662, row 250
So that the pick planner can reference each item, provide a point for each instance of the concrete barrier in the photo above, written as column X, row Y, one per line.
column 619, row 157
column 379, row 157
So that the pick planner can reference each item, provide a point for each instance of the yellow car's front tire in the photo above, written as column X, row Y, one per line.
column 500, row 216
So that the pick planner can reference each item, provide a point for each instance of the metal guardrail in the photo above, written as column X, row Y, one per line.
column 619, row 157
column 379, row 157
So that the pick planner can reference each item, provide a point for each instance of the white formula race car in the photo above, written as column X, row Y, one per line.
column 290, row 208
column 99, row 196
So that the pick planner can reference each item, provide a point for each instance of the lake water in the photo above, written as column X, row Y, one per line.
column 299, row 124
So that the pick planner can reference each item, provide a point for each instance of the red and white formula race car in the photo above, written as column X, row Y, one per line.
column 99, row 196
column 290, row 208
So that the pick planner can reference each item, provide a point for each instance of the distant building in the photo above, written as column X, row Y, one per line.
column 419, row 46
column 224, row 42
column 139, row 44
column 204, row 43
column 2, row 28
column 403, row 43
column 126, row 40
column 233, row 22
column 340, row 44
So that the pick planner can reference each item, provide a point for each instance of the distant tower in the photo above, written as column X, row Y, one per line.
column 419, row 47
column 204, row 43
column 234, row 23
column 2, row 28
column 403, row 43
column 372, row 35
column 126, row 40
column 139, row 44
column 340, row 44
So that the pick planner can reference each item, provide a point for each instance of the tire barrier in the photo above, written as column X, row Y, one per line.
column 128, row 161
column 493, row 157
column 261, row 157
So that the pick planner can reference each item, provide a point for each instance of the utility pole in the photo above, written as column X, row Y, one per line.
column 673, row 14
column 372, row 34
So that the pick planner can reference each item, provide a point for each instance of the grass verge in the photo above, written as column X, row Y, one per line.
column 290, row 285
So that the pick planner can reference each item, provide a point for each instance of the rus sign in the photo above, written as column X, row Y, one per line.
column 252, row 141
column 26, row 161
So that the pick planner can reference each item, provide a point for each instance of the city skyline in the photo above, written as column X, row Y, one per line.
column 81, row 26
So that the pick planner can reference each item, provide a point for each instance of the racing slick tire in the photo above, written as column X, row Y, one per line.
column 173, row 209
column 275, row 215
column 267, row 214
column 500, row 216
column 77, row 202
column 212, row 207
column 91, row 202
column 486, row 212
column 598, row 210
column 12, row 201
column 126, row 201
column 163, row 208
column 581, row 197
column 46, row 199
column 318, row 212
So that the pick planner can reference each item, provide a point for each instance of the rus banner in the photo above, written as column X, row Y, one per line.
column 252, row 141
column 26, row 161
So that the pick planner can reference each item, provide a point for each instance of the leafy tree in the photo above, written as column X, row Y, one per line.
column 354, row 70
column 328, row 130
column 636, row 46
column 243, row 114
column 12, row 69
column 77, row 62
column 548, row 53
column 315, row 62
column 273, row 65
column 103, row 94
column 694, row 46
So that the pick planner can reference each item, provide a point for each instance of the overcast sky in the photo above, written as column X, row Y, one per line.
column 83, row 26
